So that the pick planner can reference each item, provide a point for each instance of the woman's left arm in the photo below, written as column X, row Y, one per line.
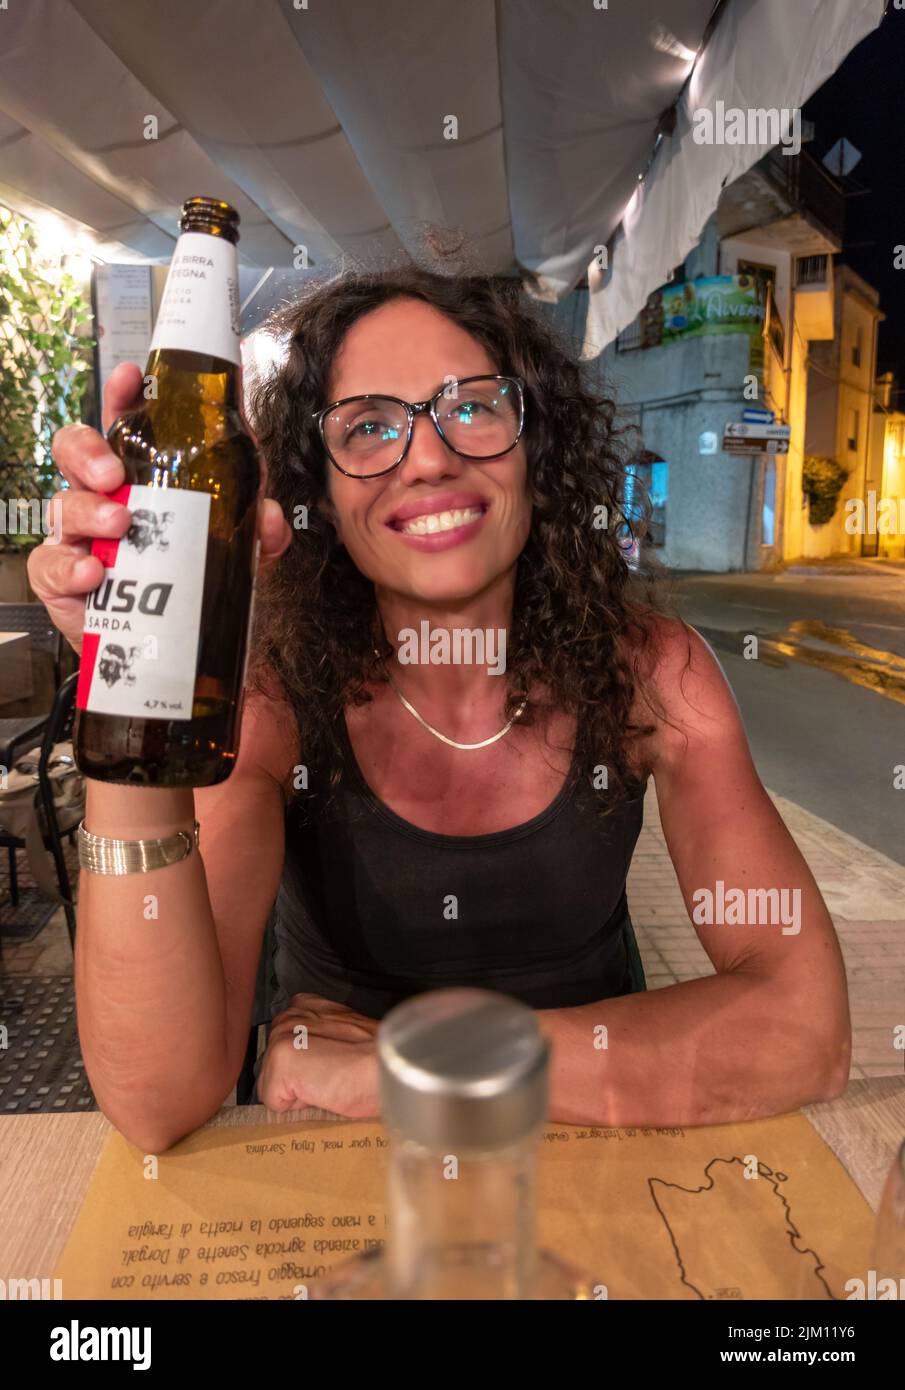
column 770, row 1031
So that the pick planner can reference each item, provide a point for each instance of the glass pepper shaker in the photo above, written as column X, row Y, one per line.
column 463, row 1087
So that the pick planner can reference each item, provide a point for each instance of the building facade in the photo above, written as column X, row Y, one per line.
column 806, row 354
column 881, row 528
column 841, row 375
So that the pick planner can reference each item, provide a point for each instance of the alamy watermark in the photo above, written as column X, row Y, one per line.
column 874, row 1287
column 752, row 907
column 83, row 1343
column 752, row 125
column 23, row 1290
column 32, row 516
column 884, row 516
column 457, row 646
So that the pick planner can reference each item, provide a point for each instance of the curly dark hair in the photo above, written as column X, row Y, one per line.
column 577, row 633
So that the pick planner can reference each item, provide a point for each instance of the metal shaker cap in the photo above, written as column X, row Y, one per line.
column 462, row 1068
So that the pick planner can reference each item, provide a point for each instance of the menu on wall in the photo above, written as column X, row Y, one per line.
column 124, row 316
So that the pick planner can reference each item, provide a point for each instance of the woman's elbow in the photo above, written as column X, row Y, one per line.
column 153, row 1131
column 155, row 1113
column 150, row 1139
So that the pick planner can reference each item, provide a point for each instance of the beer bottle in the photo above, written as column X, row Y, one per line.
column 164, row 649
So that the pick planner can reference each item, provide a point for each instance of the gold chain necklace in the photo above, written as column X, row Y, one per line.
column 466, row 747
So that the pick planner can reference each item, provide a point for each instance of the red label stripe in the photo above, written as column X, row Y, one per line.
column 90, row 643
column 106, row 551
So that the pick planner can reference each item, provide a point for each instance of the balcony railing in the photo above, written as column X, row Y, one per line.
column 630, row 337
column 808, row 187
column 811, row 270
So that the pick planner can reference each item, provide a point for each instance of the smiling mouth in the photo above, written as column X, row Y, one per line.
column 436, row 522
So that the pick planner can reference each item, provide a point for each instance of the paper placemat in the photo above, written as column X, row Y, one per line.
column 758, row 1210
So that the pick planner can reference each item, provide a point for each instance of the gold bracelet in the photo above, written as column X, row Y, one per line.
column 100, row 854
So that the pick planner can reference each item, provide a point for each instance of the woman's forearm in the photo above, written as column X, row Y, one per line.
column 733, row 1046
column 149, row 977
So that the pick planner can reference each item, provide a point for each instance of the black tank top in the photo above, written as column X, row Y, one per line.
column 372, row 909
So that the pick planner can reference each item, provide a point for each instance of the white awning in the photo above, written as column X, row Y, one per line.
column 765, row 55
column 329, row 126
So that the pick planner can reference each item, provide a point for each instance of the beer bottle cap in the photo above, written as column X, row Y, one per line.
column 462, row 1068
column 204, row 214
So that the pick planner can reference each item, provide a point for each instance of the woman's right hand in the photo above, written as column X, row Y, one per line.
column 62, row 571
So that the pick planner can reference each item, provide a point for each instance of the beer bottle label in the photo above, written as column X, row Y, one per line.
column 142, row 623
column 199, row 311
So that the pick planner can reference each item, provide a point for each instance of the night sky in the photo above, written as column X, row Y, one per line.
column 863, row 102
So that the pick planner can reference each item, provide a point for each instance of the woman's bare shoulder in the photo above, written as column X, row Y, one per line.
column 681, row 690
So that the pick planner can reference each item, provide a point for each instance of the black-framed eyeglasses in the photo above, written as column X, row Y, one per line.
column 478, row 417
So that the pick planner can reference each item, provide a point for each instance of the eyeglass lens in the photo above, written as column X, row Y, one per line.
column 478, row 418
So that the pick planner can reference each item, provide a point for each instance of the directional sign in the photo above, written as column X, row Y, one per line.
column 759, row 436
column 758, row 417
column 752, row 431
column 755, row 446
column 772, row 446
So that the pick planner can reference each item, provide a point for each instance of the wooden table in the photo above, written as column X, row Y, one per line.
column 46, row 1162
column 15, row 667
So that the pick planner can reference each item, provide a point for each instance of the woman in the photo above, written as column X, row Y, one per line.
column 467, row 820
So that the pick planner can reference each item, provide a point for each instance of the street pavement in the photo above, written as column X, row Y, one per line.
column 824, row 707
column 819, row 736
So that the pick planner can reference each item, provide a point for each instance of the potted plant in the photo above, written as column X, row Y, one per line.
column 822, row 480
column 44, row 365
